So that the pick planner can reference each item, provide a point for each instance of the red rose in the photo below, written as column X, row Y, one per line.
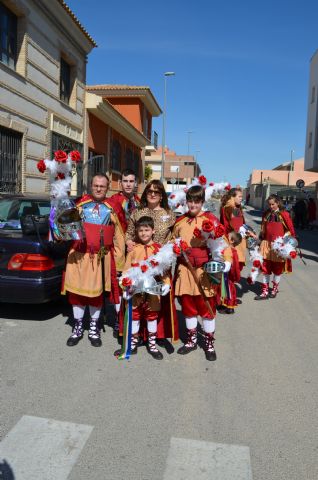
column 256, row 264
column 143, row 268
column 176, row 249
column 202, row 180
column 293, row 254
column 60, row 176
column 136, row 264
column 211, row 184
column 197, row 232
column 219, row 231
column 60, row 156
column 41, row 166
column 227, row 188
column 249, row 280
column 75, row 156
column 154, row 263
column 126, row 282
column 207, row 226
column 172, row 196
column 183, row 245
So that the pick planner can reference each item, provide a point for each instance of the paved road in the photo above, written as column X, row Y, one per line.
column 159, row 420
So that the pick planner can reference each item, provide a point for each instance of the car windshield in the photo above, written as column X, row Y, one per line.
column 12, row 209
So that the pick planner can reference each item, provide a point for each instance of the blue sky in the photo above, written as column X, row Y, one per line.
column 242, row 72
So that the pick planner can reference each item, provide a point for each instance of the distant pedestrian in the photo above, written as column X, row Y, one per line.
column 300, row 210
column 312, row 212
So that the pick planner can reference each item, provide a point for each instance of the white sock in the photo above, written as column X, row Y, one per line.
column 191, row 322
column 152, row 326
column 78, row 312
column 135, row 326
column 117, row 305
column 94, row 312
column 266, row 278
column 209, row 325
column 276, row 278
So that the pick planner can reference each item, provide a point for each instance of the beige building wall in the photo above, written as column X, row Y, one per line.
column 30, row 95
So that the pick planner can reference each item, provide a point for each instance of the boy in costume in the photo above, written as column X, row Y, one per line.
column 196, row 293
column 102, row 248
column 276, row 223
column 145, row 306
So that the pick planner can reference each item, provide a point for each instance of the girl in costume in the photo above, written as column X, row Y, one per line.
column 276, row 223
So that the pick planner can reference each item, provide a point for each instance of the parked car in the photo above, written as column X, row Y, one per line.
column 31, row 266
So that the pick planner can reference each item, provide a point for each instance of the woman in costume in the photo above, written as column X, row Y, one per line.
column 276, row 223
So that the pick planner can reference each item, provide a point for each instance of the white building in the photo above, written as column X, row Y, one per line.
column 43, row 58
column 311, row 152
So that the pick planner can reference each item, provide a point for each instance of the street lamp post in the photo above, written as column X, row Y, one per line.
column 166, row 74
column 291, row 167
column 189, row 135
column 196, row 163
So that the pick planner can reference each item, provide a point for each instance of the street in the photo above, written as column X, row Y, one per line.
column 146, row 419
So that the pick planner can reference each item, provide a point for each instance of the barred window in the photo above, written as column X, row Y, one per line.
column 8, row 37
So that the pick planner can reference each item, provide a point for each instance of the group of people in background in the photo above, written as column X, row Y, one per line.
column 123, row 230
column 304, row 213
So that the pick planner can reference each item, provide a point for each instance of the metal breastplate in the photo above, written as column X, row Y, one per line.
column 96, row 213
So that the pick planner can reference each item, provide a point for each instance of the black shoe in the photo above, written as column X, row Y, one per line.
column 184, row 350
column 95, row 342
column 210, row 356
column 156, row 354
column 226, row 311
column 72, row 341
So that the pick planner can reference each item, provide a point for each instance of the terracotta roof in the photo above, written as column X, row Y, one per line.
column 76, row 20
column 127, row 91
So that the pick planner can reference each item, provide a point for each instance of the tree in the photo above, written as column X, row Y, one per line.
column 148, row 173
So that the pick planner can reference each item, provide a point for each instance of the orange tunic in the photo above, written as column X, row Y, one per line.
column 184, row 281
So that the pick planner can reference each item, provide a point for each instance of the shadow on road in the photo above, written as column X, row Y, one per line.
column 45, row 311
column 6, row 472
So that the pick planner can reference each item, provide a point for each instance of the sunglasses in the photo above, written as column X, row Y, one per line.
column 153, row 192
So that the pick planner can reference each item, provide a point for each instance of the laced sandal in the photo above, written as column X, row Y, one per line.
column 77, row 334
column 191, row 343
column 152, row 347
column 209, row 349
column 274, row 291
column 265, row 293
column 94, row 334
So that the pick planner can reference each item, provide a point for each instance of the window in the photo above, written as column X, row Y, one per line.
column 129, row 158
column 116, row 156
column 313, row 94
column 135, row 165
column 65, row 81
column 10, row 160
column 8, row 37
column 310, row 140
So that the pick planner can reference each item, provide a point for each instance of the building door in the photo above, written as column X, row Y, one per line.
column 10, row 160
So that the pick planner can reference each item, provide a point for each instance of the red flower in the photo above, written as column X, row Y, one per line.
column 176, row 249
column 293, row 254
column 219, row 231
column 136, row 264
column 207, row 226
column 75, row 156
column 60, row 176
column 256, row 264
column 228, row 188
column 154, row 263
column 183, row 245
column 249, row 280
column 60, row 156
column 197, row 232
column 126, row 282
column 41, row 166
column 202, row 180
column 172, row 196
column 144, row 268
column 211, row 184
